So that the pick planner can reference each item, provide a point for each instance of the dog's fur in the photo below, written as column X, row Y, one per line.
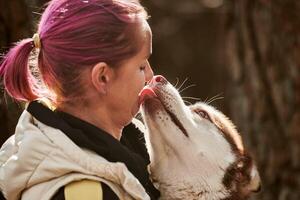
column 195, row 151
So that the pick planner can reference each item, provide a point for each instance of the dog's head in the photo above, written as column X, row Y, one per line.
column 194, row 150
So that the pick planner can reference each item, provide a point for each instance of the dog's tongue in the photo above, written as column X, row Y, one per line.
column 146, row 93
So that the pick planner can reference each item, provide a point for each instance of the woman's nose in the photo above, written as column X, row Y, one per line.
column 149, row 73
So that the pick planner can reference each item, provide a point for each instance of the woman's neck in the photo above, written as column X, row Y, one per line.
column 99, row 117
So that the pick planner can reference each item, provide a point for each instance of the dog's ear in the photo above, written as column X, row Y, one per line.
column 138, row 124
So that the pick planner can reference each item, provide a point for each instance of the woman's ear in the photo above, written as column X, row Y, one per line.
column 100, row 76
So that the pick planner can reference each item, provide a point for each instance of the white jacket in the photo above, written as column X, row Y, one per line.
column 38, row 160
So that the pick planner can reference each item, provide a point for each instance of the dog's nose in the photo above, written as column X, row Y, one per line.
column 158, row 79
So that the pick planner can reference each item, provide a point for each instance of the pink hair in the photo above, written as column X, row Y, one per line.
column 74, row 34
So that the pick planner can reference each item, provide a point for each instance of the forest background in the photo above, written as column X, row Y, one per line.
column 242, row 56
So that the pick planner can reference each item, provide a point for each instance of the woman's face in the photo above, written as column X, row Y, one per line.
column 129, row 80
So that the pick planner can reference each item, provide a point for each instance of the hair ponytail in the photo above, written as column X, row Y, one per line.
column 14, row 69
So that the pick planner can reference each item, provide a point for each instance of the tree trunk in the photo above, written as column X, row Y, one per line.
column 263, row 40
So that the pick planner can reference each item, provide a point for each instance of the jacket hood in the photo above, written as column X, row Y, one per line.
column 38, row 153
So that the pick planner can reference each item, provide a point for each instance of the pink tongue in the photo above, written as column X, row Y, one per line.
column 146, row 93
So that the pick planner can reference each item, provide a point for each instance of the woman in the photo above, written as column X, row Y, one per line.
column 92, row 64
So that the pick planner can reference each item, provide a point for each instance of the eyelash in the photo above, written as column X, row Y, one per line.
column 142, row 68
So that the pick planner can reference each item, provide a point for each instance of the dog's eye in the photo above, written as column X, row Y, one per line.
column 202, row 113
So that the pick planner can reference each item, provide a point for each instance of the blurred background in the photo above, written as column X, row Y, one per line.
column 242, row 56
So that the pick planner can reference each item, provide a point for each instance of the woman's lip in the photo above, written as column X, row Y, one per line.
column 146, row 93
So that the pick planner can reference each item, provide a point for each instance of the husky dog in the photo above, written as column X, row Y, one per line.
column 195, row 151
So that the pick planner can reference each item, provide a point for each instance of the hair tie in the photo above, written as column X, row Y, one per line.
column 36, row 41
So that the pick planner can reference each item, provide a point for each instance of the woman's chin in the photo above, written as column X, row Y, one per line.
column 134, row 111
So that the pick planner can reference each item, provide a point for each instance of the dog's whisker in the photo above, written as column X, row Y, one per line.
column 187, row 102
column 212, row 100
column 192, row 85
column 177, row 81
column 208, row 101
column 193, row 98
column 182, row 83
column 205, row 100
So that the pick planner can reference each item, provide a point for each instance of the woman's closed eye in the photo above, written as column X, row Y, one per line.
column 142, row 68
